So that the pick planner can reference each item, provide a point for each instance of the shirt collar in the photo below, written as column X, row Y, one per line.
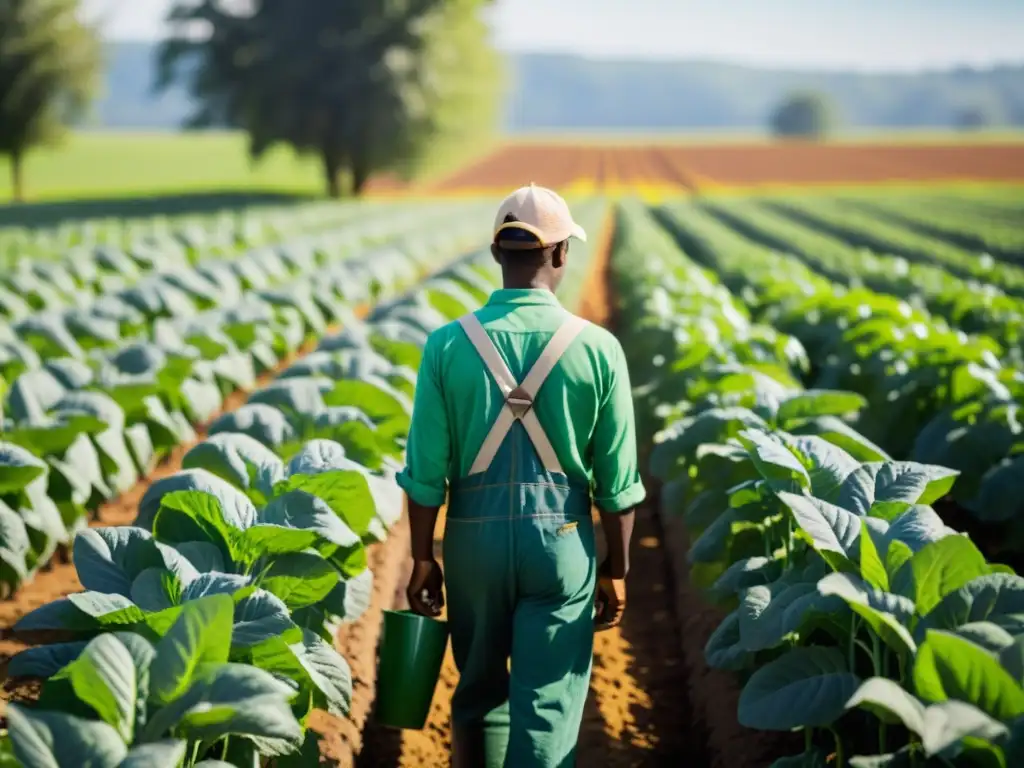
column 524, row 296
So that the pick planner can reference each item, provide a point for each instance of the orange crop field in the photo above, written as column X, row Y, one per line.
column 696, row 167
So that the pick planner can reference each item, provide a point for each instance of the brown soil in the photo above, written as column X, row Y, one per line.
column 698, row 166
column 713, row 694
column 342, row 738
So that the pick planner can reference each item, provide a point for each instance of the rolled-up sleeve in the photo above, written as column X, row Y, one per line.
column 617, row 483
column 428, row 450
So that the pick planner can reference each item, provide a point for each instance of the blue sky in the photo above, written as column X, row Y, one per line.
column 858, row 34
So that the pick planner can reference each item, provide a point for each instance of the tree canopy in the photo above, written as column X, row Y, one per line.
column 805, row 115
column 49, row 65
column 367, row 85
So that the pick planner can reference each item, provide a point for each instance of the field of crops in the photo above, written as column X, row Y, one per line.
column 202, row 417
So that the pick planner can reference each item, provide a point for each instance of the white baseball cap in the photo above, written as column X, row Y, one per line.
column 538, row 211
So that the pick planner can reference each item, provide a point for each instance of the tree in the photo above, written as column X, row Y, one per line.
column 49, row 63
column 366, row 85
column 806, row 115
column 979, row 114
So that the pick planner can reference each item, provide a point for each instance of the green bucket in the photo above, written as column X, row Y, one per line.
column 411, row 652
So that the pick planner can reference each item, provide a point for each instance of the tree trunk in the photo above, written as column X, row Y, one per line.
column 332, row 170
column 17, row 177
column 360, row 175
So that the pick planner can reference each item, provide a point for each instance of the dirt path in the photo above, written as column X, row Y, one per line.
column 637, row 711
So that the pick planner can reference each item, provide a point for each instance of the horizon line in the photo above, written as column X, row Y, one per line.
column 823, row 68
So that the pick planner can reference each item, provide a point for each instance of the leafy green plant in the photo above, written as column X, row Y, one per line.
column 119, row 700
column 855, row 613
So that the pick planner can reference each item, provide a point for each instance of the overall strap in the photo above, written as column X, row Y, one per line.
column 519, row 398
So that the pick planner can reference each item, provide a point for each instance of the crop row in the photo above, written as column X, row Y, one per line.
column 973, row 307
column 212, row 618
column 222, row 232
column 855, row 614
column 80, row 282
column 82, row 427
column 986, row 232
column 934, row 395
column 863, row 229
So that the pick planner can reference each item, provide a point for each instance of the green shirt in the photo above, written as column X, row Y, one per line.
column 585, row 405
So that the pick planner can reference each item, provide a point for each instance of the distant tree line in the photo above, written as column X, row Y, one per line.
column 813, row 115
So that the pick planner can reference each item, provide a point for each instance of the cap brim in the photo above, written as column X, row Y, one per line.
column 578, row 233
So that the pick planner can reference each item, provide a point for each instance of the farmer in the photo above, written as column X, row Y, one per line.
column 523, row 418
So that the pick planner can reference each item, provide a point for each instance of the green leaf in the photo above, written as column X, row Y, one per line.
column 871, row 567
column 680, row 441
column 346, row 492
column 1012, row 658
column 897, row 554
column 776, row 463
column 884, row 612
column 950, row 722
column 300, row 579
column 106, row 678
column 350, row 598
column 257, row 617
column 828, row 527
column 238, row 459
column 889, row 702
column 156, row 589
column 15, row 546
column 917, row 527
column 18, row 468
column 827, row 465
column 994, row 597
column 243, row 701
column 746, row 572
column 377, row 400
column 723, row 649
column 43, row 661
column 818, row 402
column 230, row 699
column 201, row 635
column 193, row 516
column 949, row 667
column 109, row 559
column 767, row 614
column 893, row 481
column 170, row 752
column 81, row 611
column 842, row 434
column 806, row 687
column 987, row 635
column 297, row 517
column 321, row 671
column 43, row 739
column 938, row 569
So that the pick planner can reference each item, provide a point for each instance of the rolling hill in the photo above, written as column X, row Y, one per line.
column 551, row 92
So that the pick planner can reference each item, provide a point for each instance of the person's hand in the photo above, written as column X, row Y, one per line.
column 426, row 588
column 610, row 601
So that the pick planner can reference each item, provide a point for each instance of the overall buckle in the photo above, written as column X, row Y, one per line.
column 519, row 402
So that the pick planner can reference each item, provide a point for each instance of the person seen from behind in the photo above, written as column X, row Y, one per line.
column 522, row 421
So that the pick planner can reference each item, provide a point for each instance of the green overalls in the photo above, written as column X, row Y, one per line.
column 519, row 556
